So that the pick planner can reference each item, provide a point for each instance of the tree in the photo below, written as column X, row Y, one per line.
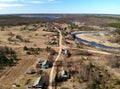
column 25, row 48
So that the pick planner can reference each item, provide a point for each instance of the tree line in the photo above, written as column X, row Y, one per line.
column 8, row 57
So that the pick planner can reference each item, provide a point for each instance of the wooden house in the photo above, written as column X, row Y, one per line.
column 39, row 83
column 45, row 64
column 64, row 75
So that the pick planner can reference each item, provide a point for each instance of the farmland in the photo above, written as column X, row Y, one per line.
column 46, row 47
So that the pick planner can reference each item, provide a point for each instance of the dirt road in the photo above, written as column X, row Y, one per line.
column 53, row 70
column 94, row 51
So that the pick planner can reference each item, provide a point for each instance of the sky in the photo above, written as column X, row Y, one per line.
column 60, row 6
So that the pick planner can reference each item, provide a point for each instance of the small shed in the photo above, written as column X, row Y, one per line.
column 64, row 75
column 67, row 53
column 39, row 83
column 32, row 71
column 30, row 29
column 45, row 64
column 56, row 34
column 39, row 64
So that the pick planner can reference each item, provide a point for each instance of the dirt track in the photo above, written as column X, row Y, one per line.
column 13, row 73
column 53, row 70
column 37, row 39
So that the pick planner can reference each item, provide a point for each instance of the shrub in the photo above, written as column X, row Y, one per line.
column 25, row 48
column 29, row 53
column 117, row 81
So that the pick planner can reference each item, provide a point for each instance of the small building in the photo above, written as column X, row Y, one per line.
column 39, row 83
column 52, row 42
column 45, row 64
column 39, row 64
column 30, row 29
column 32, row 71
column 56, row 34
column 67, row 53
column 64, row 75
column 55, row 37
column 15, row 85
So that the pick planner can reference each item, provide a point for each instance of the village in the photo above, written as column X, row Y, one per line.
column 48, row 57
column 37, row 75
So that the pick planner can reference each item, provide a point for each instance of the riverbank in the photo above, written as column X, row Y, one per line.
column 97, row 39
column 101, row 38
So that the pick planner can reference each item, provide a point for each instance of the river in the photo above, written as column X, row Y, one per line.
column 95, row 44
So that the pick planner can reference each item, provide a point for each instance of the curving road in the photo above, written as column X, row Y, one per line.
column 53, row 70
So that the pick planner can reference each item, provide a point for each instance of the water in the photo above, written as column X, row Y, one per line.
column 94, row 43
column 40, row 16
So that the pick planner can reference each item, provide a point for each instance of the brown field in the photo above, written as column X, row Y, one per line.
column 19, row 36
column 16, row 74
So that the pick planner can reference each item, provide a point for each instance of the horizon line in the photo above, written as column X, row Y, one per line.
column 59, row 13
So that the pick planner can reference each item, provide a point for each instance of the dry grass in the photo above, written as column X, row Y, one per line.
column 17, row 73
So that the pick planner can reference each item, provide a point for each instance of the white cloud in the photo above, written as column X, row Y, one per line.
column 39, row 1
column 36, row 1
column 18, row 3
column 27, row 1
column 51, row 0
column 9, row 3
column 3, row 5
column 8, row 0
